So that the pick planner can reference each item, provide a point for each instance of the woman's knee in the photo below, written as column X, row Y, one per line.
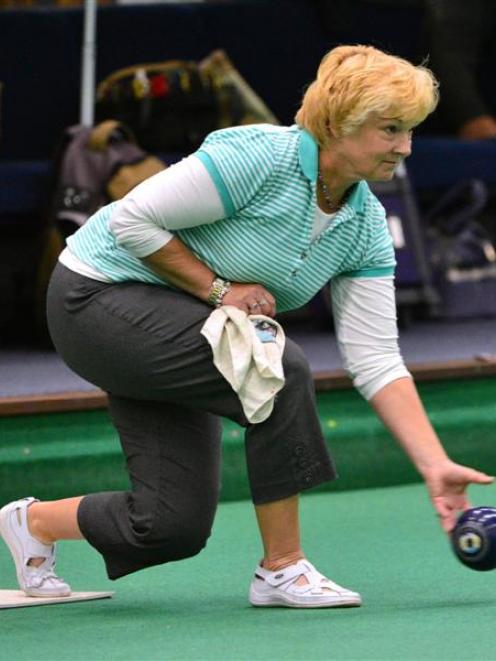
column 134, row 531
column 176, row 534
column 186, row 539
column 156, row 548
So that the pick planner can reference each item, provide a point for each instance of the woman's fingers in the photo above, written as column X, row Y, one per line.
column 447, row 513
column 253, row 299
column 261, row 306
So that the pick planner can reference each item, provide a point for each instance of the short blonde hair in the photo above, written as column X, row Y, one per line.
column 354, row 81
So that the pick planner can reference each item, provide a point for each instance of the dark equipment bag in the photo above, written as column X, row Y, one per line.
column 463, row 254
column 445, row 258
column 170, row 106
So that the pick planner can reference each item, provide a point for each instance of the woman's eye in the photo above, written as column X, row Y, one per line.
column 391, row 129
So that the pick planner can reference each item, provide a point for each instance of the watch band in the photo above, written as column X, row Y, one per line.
column 218, row 289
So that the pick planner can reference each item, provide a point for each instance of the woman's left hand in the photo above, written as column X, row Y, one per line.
column 447, row 483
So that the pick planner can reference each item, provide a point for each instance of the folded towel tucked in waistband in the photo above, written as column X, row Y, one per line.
column 248, row 352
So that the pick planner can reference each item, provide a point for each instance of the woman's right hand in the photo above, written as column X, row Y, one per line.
column 252, row 298
column 447, row 483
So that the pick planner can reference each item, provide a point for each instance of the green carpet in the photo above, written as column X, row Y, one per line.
column 56, row 455
column 419, row 602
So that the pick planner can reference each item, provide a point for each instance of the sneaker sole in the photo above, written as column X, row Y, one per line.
column 275, row 600
column 15, row 547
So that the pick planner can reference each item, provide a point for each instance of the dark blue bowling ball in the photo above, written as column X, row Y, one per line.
column 474, row 538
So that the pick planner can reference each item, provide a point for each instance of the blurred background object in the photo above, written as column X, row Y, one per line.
column 48, row 3
column 462, row 53
column 262, row 73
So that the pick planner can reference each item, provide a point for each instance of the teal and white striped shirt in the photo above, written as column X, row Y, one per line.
column 266, row 178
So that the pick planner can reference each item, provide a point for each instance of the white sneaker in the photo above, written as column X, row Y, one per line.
column 278, row 588
column 34, row 581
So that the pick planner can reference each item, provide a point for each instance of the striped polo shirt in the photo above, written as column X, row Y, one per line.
column 266, row 177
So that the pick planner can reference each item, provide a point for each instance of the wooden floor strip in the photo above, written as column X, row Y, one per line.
column 429, row 371
column 53, row 403
column 324, row 381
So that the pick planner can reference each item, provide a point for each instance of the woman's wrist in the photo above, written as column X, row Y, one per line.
column 427, row 466
column 218, row 289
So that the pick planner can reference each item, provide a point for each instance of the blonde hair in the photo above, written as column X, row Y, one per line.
column 354, row 81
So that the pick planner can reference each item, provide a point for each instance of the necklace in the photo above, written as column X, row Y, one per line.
column 333, row 205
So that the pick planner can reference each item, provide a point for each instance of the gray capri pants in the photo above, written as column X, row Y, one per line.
column 141, row 343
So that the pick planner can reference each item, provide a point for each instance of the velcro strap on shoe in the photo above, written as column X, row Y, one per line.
column 288, row 574
column 35, row 549
column 32, row 548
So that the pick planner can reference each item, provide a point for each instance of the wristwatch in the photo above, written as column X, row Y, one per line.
column 218, row 289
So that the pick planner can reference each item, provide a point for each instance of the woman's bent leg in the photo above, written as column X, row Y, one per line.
column 173, row 461
column 143, row 342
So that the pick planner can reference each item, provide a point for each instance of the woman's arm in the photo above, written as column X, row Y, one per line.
column 211, row 184
column 182, row 196
column 399, row 407
column 180, row 267
column 364, row 312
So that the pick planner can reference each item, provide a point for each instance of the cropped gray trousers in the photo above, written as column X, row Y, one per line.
column 141, row 344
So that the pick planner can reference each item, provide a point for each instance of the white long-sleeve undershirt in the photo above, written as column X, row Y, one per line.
column 184, row 195
column 364, row 311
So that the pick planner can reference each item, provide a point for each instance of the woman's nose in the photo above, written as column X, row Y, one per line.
column 403, row 145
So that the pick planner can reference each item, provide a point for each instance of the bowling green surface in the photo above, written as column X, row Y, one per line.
column 373, row 530
column 418, row 601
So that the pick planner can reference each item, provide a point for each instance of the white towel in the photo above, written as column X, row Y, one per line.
column 248, row 353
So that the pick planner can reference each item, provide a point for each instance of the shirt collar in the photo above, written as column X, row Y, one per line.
column 309, row 162
column 308, row 155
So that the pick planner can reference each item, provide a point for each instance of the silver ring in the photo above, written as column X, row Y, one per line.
column 254, row 305
column 263, row 301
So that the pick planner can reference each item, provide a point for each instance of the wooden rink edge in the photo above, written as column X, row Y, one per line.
column 17, row 599
column 324, row 382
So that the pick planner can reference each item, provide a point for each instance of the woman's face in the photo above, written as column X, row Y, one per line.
column 374, row 149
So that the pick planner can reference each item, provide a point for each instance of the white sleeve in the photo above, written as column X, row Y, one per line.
column 364, row 311
column 183, row 195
